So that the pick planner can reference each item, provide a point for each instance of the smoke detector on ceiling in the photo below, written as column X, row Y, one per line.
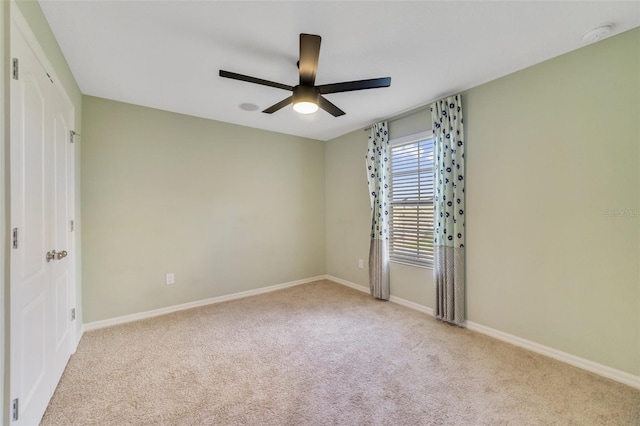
column 597, row 34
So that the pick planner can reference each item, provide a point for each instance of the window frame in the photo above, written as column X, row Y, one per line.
column 413, row 138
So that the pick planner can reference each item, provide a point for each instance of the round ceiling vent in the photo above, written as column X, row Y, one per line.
column 597, row 34
column 248, row 106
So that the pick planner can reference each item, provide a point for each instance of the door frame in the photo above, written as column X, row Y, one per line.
column 17, row 19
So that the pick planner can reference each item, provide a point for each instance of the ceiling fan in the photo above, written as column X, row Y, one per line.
column 306, row 96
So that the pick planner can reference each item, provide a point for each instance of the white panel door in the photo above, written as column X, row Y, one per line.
column 41, row 337
column 30, row 203
column 62, row 241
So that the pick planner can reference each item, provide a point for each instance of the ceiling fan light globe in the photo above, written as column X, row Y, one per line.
column 305, row 107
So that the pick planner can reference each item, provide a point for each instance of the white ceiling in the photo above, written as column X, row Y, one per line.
column 166, row 54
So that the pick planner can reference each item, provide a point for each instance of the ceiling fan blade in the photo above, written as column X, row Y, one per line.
column 348, row 86
column 283, row 103
column 309, row 54
column 241, row 77
column 329, row 107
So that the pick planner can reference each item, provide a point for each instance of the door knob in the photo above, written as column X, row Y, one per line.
column 51, row 256
column 62, row 254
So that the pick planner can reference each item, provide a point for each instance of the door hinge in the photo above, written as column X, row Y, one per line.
column 15, row 68
column 72, row 134
column 14, row 410
column 73, row 314
column 72, row 225
column 15, row 238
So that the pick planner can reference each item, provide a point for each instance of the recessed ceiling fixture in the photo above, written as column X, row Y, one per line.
column 597, row 34
column 248, row 106
column 307, row 97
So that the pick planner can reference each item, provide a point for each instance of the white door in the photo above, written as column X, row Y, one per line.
column 41, row 338
column 61, row 270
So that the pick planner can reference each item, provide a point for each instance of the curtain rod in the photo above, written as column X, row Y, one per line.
column 412, row 111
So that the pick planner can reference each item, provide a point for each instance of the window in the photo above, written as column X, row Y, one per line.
column 411, row 199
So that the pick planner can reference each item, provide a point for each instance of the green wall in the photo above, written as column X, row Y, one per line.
column 552, row 152
column 224, row 207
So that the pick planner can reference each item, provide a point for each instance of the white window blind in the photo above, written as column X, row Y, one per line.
column 411, row 198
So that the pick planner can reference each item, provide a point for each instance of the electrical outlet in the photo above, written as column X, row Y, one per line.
column 170, row 278
column 360, row 263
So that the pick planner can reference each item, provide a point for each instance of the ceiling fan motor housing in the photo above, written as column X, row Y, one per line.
column 302, row 93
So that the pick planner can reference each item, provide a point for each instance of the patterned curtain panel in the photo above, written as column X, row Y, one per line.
column 448, row 269
column 378, row 178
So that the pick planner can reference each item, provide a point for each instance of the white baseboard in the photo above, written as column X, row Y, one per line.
column 412, row 305
column 79, row 334
column 393, row 299
column 175, row 308
column 585, row 364
column 347, row 283
column 593, row 367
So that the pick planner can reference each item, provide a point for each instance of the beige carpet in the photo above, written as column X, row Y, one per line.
column 320, row 354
